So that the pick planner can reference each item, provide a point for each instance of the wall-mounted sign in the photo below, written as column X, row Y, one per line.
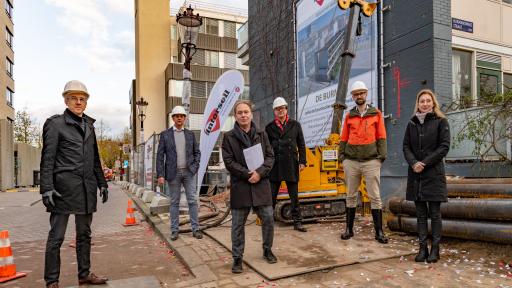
column 462, row 25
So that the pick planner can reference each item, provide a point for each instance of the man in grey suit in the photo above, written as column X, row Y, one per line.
column 177, row 162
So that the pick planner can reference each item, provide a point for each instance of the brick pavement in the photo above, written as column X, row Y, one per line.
column 119, row 252
column 29, row 223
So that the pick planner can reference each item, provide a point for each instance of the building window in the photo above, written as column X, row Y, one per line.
column 195, row 121
column 198, row 58
column 488, row 84
column 9, row 67
column 210, row 26
column 209, row 87
column 507, row 83
column 174, row 34
column 198, row 89
column 8, row 8
column 9, row 95
column 8, row 37
column 229, row 29
column 212, row 58
column 461, row 75
column 176, row 88
column 230, row 60
column 245, row 94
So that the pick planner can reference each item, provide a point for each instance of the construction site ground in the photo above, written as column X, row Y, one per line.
column 319, row 258
column 144, row 254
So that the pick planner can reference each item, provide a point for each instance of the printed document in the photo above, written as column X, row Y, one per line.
column 254, row 157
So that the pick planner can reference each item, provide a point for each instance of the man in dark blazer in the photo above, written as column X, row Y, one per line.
column 70, row 177
column 249, row 189
column 285, row 136
column 177, row 162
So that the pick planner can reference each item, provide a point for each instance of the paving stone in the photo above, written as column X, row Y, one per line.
column 247, row 278
column 209, row 285
column 137, row 282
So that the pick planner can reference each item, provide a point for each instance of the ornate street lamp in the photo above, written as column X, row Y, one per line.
column 189, row 24
column 141, row 107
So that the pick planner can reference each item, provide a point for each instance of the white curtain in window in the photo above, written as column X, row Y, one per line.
column 456, row 76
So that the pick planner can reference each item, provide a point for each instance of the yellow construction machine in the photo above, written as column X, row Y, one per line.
column 322, row 189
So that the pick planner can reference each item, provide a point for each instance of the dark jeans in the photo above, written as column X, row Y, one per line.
column 239, row 217
column 293, row 191
column 58, row 224
column 423, row 210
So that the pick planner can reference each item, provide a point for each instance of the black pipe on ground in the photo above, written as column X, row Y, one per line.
column 480, row 190
column 497, row 232
column 469, row 208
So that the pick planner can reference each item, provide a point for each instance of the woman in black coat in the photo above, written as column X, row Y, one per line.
column 426, row 143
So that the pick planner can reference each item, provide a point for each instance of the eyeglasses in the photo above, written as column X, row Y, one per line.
column 76, row 99
column 357, row 94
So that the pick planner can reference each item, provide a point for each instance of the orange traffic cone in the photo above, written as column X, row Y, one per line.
column 7, row 267
column 130, row 217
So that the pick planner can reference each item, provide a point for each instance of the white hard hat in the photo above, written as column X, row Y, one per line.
column 358, row 85
column 278, row 102
column 178, row 110
column 75, row 86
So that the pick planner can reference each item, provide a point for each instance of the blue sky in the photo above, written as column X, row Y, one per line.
column 89, row 40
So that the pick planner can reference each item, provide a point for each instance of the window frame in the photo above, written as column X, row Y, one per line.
column 9, row 96
column 9, row 37
column 9, row 67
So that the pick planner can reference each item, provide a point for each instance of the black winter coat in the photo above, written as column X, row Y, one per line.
column 70, row 164
column 429, row 143
column 243, row 193
column 289, row 151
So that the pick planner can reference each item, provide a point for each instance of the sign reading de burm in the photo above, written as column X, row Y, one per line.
column 462, row 25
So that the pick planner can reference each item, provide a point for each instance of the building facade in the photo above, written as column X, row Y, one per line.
column 7, row 99
column 159, row 61
column 458, row 50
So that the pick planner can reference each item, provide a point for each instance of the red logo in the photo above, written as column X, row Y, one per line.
column 237, row 89
column 213, row 122
column 319, row 2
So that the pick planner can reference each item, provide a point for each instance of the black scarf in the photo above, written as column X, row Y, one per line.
column 245, row 138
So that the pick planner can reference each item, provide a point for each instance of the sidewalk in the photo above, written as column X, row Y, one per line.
column 463, row 263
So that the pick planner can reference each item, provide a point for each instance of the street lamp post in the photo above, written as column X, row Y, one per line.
column 141, row 106
column 189, row 24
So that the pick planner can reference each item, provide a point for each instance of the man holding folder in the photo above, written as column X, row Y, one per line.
column 250, row 186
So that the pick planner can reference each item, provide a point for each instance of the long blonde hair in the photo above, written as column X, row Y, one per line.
column 436, row 109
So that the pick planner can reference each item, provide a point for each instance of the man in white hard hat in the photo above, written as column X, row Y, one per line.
column 362, row 151
column 177, row 161
column 71, row 175
column 287, row 140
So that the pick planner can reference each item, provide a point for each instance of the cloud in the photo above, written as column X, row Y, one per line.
column 91, row 33
column 121, row 6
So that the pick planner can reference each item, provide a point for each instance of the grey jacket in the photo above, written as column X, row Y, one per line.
column 166, row 158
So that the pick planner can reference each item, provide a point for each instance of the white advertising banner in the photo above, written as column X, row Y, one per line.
column 148, row 162
column 321, row 27
column 223, row 96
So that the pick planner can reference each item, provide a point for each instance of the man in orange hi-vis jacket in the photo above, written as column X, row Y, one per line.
column 362, row 151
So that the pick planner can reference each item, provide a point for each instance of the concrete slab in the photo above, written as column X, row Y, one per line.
column 148, row 196
column 137, row 282
column 318, row 249
column 139, row 191
column 159, row 204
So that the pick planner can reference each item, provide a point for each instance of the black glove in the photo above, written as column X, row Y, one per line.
column 104, row 194
column 48, row 198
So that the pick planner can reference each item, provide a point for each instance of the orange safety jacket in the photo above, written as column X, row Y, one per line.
column 363, row 138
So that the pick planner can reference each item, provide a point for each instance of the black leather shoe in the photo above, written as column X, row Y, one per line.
column 434, row 254
column 92, row 279
column 269, row 256
column 298, row 226
column 422, row 253
column 174, row 235
column 197, row 234
column 237, row 266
